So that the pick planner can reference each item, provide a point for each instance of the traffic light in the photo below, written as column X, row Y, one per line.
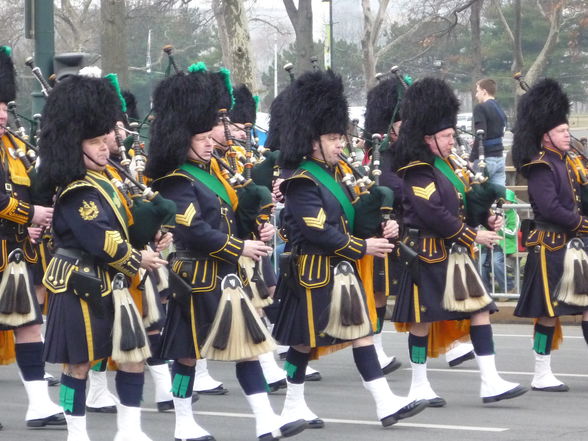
column 69, row 63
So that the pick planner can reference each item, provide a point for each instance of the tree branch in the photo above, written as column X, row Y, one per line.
column 503, row 20
column 291, row 10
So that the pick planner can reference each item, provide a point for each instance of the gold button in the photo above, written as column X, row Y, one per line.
column 184, row 274
column 86, row 269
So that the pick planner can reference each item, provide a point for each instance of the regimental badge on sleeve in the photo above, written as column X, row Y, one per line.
column 88, row 211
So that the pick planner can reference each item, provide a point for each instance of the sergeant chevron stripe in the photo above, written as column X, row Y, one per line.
column 424, row 192
column 186, row 218
column 317, row 222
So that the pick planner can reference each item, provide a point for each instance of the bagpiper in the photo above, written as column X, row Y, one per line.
column 439, row 281
column 556, row 270
column 209, row 314
column 91, row 313
column 323, row 301
column 20, row 314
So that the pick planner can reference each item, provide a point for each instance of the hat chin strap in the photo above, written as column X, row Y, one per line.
column 553, row 143
column 93, row 160
column 198, row 156
column 437, row 146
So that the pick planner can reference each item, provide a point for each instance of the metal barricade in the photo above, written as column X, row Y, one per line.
column 503, row 273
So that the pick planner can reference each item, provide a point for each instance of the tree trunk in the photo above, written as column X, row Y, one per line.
column 301, row 20
column 113, row 39
column 233, row 32
column 367, row 47
column 476, row 45
column 540, row 62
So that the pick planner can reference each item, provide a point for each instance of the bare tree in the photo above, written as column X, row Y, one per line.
column 301, row 19
column 552, row 12
column 113, row 39
column 72, row 25
column 371, row 31
column 233, row 32
column 476, row 53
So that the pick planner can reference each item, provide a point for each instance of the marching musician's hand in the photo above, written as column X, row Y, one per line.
column 42, row 216
column 35, row 233
column 378, row 246
column 276, row 193
column 150, row 260
column 390, row 229
column 255, row 249
column 488, row 238
column 163, row 241
column 495, row 222
column 266, row 232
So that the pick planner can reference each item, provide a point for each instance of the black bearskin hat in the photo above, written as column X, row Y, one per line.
column 277, row 111
column 78, row 108
column 316, row 106
column 184, row 104
column 7, row 76
column 428, row 107
column 382, row 107
column 131, row 101
column 245, row 106
column 542, row 108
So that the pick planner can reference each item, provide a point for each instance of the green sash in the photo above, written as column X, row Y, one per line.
column 211, row 181
column 333, row 186
column 446, row 169
column 112, row 196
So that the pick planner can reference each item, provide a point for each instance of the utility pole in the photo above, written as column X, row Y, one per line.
column 328, row 45
column 40, row 26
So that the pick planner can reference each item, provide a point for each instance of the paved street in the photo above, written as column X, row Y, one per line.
column 349, row 412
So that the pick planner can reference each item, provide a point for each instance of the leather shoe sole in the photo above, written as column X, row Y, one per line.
column 391, row 367
column 513, row 393
column 411, row 409
column 54, row 420
column 559, row 388
column 436, row 402
column 315, row 376
column 317, row 423
column 219, row 390
column 105, row 409
column 459, row 360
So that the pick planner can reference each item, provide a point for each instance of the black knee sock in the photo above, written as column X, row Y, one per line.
column 182, row 380
column 295, row 365
column 585, row 330
column 72, row 395
column 381, row 313
column 29, row 357
column 155, row 345
column 417, row 348
column 482, row 339
column 250, row 377
column 129, row 387
column 543, row 339
column 367, row 363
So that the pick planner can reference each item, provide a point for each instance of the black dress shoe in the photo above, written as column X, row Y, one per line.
column 105, row 409
column 164, row 406
column 293, row 428
column 411, row 409
column 513, row 393
column 559, row 388
column 54, row 420
column 315, row 376
column 219, row 390
column 277, row 385
column 436, row 402
column 459, row 360
column 317, row 423
column 202, row 438
column 388, row 421
column 391, row 367
column 195, row 396
column 52, row 381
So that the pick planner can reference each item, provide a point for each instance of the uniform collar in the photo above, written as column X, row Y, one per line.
column 554, row 152
column 200, row 164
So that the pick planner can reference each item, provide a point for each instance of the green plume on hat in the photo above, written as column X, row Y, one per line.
column 198, row 67
column 7, row 50
column 113, row 79
column 226, row 74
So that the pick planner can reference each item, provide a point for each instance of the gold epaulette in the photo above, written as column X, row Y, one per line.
column 413, row 164
column 74, row 186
